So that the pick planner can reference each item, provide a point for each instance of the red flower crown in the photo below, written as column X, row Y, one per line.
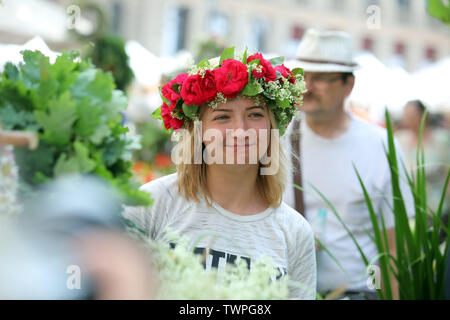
column 251, row 76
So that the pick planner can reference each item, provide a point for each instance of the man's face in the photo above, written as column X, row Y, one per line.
column 411, row 117
column 326, row 92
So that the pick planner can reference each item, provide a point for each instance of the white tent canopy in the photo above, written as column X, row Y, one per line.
column 11, row 52
column 377, row 86
column 148, row 68
column 432, row 85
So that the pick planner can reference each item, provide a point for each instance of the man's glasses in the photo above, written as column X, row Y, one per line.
column 322, row 79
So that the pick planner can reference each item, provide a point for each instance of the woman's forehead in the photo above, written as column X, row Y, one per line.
column 235, row 105
column 240, row 103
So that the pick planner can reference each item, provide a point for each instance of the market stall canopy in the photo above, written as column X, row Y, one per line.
column 146, row 66
column 149, row 68
column 432, row 85
column 377, row 87
column 11, row 52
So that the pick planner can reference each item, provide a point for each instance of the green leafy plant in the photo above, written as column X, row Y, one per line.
column 419, row 266
column 106, row 51
column 154, row 140
column 439, row 10
column 420, row 261
column 75, row 110
column 209, row 48
column 108, row 54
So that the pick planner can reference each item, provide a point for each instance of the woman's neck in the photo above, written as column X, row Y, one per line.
column 234, row 187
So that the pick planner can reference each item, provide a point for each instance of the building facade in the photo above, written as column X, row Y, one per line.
column 398, row 32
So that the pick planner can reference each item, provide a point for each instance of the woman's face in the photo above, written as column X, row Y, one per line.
column 241, row 128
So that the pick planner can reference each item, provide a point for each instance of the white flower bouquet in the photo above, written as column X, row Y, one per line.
column 181, row 275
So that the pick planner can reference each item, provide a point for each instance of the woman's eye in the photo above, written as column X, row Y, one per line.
column 256, row 115
column 222, row 117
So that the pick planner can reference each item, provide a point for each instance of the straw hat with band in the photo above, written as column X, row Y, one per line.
column 325, row 51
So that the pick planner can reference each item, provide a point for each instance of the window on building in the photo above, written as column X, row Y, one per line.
column 116, row 16
column 302, row 3
column 399, row 48
column 404, row 10
column 174, row 30
column 258, row 34
column 296, row 34
column 369, row 3
column 338, row 5
column 367, row 44
column 429, row 57
column 218, row 24
column 430, row 54
column 398, row 58
column 182, row 16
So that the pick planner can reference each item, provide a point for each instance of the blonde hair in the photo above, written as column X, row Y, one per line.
column 192, row 177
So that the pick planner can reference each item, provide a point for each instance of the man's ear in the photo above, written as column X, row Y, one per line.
column 349, row 84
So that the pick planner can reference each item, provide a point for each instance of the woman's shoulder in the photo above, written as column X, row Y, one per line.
column 151, row 220
column 292, row 219
column 164, row 186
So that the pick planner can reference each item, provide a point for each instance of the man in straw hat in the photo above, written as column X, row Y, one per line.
column 329, row 141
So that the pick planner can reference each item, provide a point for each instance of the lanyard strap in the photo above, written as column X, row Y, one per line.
column 297, row 170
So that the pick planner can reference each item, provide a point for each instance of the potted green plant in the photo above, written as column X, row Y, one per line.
column 75, row 111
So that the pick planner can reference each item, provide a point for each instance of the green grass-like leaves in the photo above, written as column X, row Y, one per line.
column 420, row 260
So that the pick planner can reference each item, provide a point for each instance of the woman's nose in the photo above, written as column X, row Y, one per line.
column 240, row 123
column 238, row 129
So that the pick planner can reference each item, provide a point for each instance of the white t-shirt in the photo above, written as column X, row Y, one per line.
column 327, row 165
column 279, row 233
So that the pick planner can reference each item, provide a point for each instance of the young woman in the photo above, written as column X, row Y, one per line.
column 230, row 180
